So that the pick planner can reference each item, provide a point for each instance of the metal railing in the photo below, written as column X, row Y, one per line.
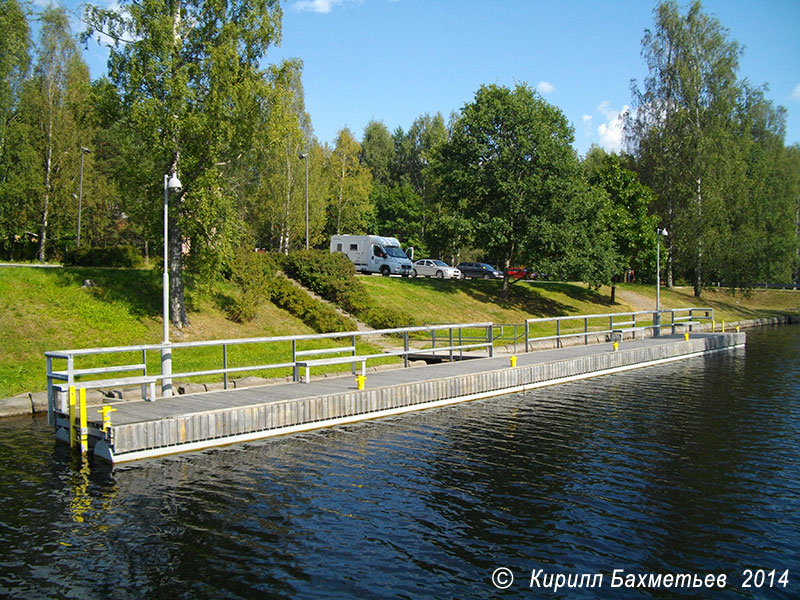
column 433, row 339
column 70, row 374
column 618, row 323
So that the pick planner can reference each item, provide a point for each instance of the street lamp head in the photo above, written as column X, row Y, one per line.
column 302, row 155
column 174, row 184
column 661, row 231
column 85, row 150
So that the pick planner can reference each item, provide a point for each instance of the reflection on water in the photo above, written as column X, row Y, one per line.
column 688, row 467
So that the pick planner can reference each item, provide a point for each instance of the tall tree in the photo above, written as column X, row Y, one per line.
column 510, row 170
column 17, row 155
column 377, row 151
column 57, row 67
column 349, row 208
column 626, row 212
column 191, row 81
column 678, row 126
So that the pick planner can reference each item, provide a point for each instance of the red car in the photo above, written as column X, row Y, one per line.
column 517, row 273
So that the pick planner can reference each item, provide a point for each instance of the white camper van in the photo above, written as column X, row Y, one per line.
column 373, row 254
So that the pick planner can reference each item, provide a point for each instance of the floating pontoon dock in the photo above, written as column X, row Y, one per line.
column 144, row 429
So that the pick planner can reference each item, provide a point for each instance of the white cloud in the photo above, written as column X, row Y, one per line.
column 611, row 132
column 545, row 87
column 317, row 6
column 796, row 93
column 587, row 125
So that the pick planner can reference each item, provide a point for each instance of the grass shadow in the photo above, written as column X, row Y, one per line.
column 139, row 289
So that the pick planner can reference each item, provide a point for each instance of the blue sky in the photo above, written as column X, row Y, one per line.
column 394, row 60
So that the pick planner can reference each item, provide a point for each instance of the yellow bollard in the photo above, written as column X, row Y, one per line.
column 616, row 346
column 73, row 438
column 513, row 361
column 686, row 337
column 723, row 327
column 84, row 423
column 106, row 418
column 713, row 326
column 360, row 379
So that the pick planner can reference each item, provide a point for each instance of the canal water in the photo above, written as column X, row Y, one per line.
column 690, row 469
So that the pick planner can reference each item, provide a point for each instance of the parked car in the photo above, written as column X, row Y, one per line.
column 480, row 270
column 429, row 267
column 518, row 273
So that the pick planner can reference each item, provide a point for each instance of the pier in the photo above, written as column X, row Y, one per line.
column 140, row 429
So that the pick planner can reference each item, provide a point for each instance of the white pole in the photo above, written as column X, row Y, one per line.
column 306, row 201
column 166, row 353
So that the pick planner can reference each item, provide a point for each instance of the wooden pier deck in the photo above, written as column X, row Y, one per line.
column 142, row 429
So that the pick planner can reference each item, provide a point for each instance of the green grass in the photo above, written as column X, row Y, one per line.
column 465, row 301
column 47, row 309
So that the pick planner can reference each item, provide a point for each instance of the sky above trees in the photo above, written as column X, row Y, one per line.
column 392, row 60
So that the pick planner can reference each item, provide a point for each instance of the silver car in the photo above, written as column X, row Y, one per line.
column 434, row 268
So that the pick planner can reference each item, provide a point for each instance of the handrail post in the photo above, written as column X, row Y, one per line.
column 527, row 334
column 673, row 321
column 353, row 353
column 225, row 366
column 490, row 334
column 450, row 339
column 558, row 333
column 585, row 331
column 460, row 343
column 51, row 420
column 295, row 370
column 405, row 348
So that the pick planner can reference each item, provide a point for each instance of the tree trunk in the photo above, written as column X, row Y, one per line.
column 177, row 302
column 48, row 169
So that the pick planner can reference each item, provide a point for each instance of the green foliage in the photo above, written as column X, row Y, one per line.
column 349, row 208
column 624, row 211
column 114, row 256
column 320, row 317
column 510, row 170
column 332, row 276
column 257, row 277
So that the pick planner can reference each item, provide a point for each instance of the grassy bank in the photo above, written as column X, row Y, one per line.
column 48, row 309
column 435, row 300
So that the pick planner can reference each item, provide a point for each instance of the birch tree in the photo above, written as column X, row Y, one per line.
column 190, row 76
column 677, row 128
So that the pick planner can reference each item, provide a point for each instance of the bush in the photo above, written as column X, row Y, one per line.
column 257, row 278
column 251, row 273
column 332, row 276
column 114, row 256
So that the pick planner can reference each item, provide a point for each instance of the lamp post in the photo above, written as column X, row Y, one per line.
column 171, row 184
column 657, row 321
column 80, row 196
column 304, row 156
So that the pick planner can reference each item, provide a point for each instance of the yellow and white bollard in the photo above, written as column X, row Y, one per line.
column 513, row 361
column 616, row 346
column 84, row 423
column 73, row 438
column 106, row 418
column 360, row 379
column 686, row 337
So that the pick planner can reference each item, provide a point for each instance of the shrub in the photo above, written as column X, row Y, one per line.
column 257, row 278
column 113, row 256
column 332, row 276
